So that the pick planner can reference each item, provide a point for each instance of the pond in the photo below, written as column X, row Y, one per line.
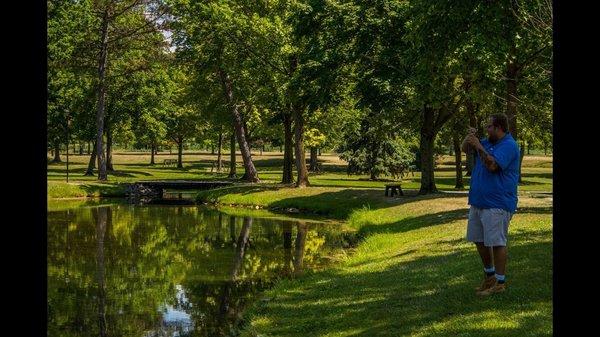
column 116, row 269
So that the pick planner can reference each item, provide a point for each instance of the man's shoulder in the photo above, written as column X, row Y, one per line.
column 509, row 143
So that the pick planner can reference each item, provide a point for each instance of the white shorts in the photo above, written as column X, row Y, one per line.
column 488, row 225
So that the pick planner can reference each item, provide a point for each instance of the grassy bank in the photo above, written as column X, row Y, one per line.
column 414, row 275
column 333, row 202
column 59, row 189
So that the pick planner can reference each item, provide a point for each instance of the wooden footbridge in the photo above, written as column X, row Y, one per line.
column 156, row 188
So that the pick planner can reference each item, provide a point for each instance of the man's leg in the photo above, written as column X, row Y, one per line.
column 488, row 266
column 475, row 235
column 500, row 261
column 486, row 255
column 495, row 223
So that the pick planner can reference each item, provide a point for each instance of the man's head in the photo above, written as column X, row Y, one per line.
column 497, row 126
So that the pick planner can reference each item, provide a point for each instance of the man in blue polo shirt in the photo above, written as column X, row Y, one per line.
column 493, row 198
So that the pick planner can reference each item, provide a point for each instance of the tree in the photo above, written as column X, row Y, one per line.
column 183, row 120
column 69, row 82
column 314, row 139
column 204, row 35
column 122, row 25
column 375, row 149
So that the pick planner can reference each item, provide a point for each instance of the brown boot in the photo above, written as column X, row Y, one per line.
column 487, row 282
column 496, row 288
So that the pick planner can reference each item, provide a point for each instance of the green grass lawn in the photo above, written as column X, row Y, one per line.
column 414, row 275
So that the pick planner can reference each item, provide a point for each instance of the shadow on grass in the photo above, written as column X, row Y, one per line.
column 337, row 204
column 434, row 219
column 431, row 295
column 525, row 182
column 411, row 223
column 112, row 190
column 116, row 173
column 537, row 175
column 214, row 194
column 537, row 210
column 121, row 173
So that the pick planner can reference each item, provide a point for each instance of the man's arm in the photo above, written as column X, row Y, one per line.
column 465, row 147
column 488, row 160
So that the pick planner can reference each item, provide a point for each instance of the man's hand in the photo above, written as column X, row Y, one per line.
column 473, row 141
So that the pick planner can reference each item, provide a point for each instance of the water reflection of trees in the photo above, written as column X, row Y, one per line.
column 110, row 269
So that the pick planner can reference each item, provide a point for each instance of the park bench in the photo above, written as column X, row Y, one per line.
column 169, row 162
column 394, row 189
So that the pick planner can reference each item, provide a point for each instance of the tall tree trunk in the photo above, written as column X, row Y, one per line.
column 288, row 155
column 212, row 148
column 152, row 151
column 219, row 155
column 313, row 159
column 470, row 107
column 232, row 167
column 300, row 244
column 81, row 149
column 91, row 163
column 223, row 326
column 56, row 152
column 241, row 247
column 528, row 148
column 287, row 248
column 232, row 228
column 250, row 174
column 458, row 161
column 179, row 152
column 521, row 155
column 248, row 139
column 102, row 217
column 102, row 62
column 512, row 75
column 302, row 175
column 511, row 98
column 319, row 153
column 372, row 157
column 89, row 151
column 219, row 227
column 109, row 165
column 426, row 149
column 298, row 118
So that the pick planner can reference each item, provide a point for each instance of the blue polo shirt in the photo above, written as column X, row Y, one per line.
column 496, row 189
